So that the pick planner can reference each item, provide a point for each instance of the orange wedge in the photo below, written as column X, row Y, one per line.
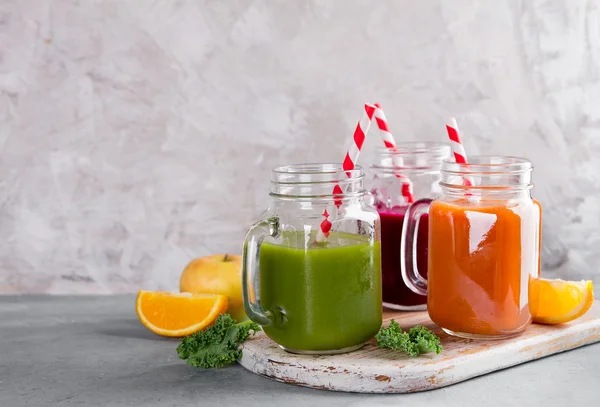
column 559, row 301
column 178, row 314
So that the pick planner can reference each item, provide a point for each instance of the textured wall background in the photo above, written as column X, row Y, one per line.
column 137, row 134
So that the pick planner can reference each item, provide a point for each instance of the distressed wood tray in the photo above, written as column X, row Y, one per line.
column 374, row 370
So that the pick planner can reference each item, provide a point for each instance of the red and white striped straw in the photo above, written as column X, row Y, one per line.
column 325, row 225
column 360, row 133
column 460, row 156
column 349, row 163
column 384, row 129
column 389, row 142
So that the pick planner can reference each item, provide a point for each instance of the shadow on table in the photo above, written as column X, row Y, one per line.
column 131, row 328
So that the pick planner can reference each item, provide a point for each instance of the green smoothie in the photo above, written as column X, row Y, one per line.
column 323, row 297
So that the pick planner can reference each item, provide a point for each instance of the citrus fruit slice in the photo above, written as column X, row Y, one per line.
column 559, row 301
column 175, row 314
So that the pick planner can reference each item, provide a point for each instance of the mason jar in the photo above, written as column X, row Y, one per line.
column 400, row 176
column 312, row 263
column 484, row 248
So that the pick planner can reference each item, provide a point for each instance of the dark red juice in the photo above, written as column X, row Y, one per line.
column 395, row 292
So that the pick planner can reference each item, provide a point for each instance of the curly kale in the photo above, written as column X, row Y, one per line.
column 217, row 345
column 416, row 341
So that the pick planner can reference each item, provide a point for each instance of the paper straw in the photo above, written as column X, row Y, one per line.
column 384, row 129
column 360, row 133
column 388, row 141
column 325, row 226
column 358, row 139
column 460, row 156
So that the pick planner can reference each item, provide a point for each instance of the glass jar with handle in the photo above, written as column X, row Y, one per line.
column 400, row 175
column 311, row 295
column 484, row 248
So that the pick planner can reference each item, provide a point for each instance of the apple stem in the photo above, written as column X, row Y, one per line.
column 226, row 258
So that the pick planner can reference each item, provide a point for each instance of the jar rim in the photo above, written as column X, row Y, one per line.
column 314, row 173
column 412, row 156
column 487, row 164
column 317, row 181
column 431, row 148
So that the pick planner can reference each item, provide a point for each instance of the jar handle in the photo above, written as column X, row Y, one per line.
column 250, row 268
column 408, row 247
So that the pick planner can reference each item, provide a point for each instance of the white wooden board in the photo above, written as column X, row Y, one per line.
column 374, row 370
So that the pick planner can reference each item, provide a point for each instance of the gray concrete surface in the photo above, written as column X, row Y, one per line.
column 92, row 351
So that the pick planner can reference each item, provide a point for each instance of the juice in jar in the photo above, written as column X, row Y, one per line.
column 482, row 256
column 395, row 291
column 325, row 297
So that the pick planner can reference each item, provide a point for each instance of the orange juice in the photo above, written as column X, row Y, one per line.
column 482, row 255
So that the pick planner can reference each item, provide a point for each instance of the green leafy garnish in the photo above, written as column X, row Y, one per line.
column 416, row 341
column 217, row 345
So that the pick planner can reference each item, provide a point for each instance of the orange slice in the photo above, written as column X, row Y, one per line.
column 178, row 314
column 559, row 301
